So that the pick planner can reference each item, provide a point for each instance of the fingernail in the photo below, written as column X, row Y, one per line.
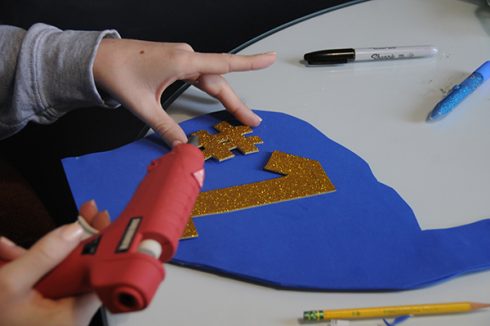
column 106, row 212
column 72, row 232
column 7, row 241
column 87, row 228
column 258, row 118
column 92, row 202
column 176, row 142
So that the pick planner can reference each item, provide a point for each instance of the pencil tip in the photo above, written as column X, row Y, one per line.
column 479, row 305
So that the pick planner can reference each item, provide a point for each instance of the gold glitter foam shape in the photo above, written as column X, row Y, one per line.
column 190, row 230
column 220, row 145
column 302, row 178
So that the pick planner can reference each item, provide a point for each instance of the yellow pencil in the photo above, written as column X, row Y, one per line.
column 394, row 311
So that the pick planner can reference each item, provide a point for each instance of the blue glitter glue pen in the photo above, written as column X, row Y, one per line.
column 459, row 92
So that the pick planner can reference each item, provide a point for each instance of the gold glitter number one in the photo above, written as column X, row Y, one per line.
column 303, row 177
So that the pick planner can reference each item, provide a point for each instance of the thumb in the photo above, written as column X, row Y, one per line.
column 24, row 272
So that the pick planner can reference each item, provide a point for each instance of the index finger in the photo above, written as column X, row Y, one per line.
column 222, row 63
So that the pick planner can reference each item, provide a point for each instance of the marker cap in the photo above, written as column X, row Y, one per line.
column 484, row 70
column 325, row 57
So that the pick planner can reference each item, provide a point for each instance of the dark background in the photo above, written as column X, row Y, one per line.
column 211, row 26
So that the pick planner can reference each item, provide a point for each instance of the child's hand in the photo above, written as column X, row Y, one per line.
column 137, row 72
column 20, row 304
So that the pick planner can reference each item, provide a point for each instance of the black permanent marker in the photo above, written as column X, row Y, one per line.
column 336, row 56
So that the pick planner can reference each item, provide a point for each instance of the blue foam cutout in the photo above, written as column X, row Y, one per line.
column 363, row 236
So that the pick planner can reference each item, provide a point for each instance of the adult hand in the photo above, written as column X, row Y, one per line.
column 137, row 72
column 20, row 304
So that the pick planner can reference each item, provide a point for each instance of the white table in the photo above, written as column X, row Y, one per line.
column 378, row 111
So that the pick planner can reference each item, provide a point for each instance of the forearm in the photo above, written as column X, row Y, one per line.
column 46, row 72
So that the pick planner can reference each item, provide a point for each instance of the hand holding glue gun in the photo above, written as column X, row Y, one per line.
column 20, row 304
column 123, row 263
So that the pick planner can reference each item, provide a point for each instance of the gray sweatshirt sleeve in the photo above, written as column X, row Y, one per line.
column 45, row 73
